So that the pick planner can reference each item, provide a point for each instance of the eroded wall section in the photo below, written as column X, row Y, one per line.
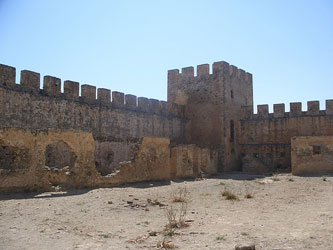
column 312, row 155
column 42, row 160
column 38, row 160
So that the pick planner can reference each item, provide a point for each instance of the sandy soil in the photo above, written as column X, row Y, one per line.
column 286, row 212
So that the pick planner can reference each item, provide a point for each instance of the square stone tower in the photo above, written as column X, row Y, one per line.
column 213, row 107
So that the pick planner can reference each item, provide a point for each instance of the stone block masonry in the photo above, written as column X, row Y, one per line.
column 267, row 136
column 212, row 107
column 115, row 125
column 312, row 155
column 206, row 125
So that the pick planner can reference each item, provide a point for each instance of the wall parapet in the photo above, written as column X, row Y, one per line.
column 219, row 68
column 280, row 113
column 30, row 82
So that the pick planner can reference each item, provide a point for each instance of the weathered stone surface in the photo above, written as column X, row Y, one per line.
column 150, row 162
column 30, row 80
column 208, row 120
column 40, row 160
column 28, row 170
column 189, row 161
column 251, row 164
column 212, row 103
column 312, row 155
column 118, row 127
column 7, row 75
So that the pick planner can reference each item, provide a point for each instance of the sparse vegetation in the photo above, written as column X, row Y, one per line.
column 181, row 195
column 176, row 218
column 290, row 179
column 182, row 215
column 248, row 196
column 171, row 215
column 275, row 179
column 134, row 228
column 105, row 236
column 229, row 195
column 222, row 183
column 220, row 238
column 206, row 194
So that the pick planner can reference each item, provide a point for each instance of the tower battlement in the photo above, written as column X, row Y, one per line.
column 203, row 71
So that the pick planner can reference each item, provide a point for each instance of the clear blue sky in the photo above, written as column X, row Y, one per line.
column 128, row 46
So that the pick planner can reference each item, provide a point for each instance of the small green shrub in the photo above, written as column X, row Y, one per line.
column 220, row 237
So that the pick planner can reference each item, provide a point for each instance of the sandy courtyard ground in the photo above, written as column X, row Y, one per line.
column 286, row 212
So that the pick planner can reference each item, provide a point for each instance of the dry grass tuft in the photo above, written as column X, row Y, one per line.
column 165, row 245
column 248, row 196
column 181, row 195
column 229, row 196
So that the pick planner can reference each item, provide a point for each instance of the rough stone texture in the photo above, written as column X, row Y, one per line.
column 104, row 96
column 189, row 161
column 52, row 85
column 30, row 80
column 269, row 138
column 251, row 164
column 206, row 96
column 41, row 160
column 26, row 169
column 109, row 154
column 312, row 155
column 149, row 162
column 110, row 125
column 71, row 89
column 58, row 155
column 7, row 75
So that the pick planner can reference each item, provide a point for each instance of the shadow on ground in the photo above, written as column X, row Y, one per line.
column 241, row 176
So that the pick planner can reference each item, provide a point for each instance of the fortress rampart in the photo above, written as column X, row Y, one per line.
column 207, row 125
column 267, row 136
column 116, row 123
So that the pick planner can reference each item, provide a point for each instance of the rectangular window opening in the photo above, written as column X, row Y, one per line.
column 316, row 149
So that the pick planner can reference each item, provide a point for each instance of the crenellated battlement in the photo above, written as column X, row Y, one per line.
column 218, row 69
column 279, row 110
column 30, row 82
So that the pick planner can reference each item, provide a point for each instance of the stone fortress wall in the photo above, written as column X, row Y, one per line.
column 207, row 125
column 219, row 112
column 50, row 138
column 267, row 136
column 115, row 125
